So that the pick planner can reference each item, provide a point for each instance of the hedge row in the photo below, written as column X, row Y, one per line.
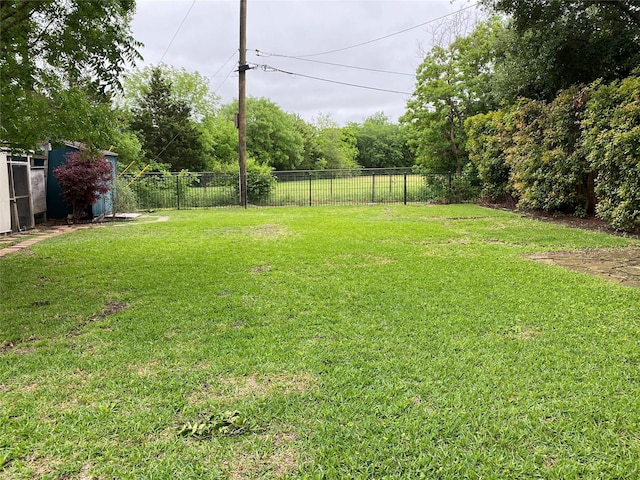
column 578, row 154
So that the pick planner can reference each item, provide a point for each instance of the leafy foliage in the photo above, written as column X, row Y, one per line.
column 190, row 88
column 260, row 181
column 272, row 136
column 336, row 146
column 59, row 62
column 548, row 170
column 165, row 128
column 453, row 83
column 556, row 44
column 84, row 178
column 611, row 141
column 488, row 137
column 124, row 198
column 226, row 424
column 381, row 144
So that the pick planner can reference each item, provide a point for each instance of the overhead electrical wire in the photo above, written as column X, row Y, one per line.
column 220, row 69
column 386, row 36
column 178, row 30
column 268, row 68
column 265, row 54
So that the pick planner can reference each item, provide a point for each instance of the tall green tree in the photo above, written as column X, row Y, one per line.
column 191, row 88
column 452, row 84
column 165, row 128
column 381, row 143
column 59, row 62
column 555, row 44
column 336, row 145
column 272, row 136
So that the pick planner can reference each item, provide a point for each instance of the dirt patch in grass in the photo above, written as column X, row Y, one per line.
column 112, row 308
column 235, row 388
column 268, row 231
column 261, row 269
column 621, row 265
column 41, row 466
column 280, row 462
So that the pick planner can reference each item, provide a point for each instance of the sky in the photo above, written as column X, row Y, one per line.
column 203, row 36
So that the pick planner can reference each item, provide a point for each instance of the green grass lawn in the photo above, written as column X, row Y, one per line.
column 354, row 342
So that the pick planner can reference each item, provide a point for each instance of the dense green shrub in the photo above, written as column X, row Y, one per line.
column 488, row 137
column 548, row 168
column 611, row 141
column 260, row 181
column 450, row 187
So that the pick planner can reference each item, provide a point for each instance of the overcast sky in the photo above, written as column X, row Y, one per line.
column 209, row 37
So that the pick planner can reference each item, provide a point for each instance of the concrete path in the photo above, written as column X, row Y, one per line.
column 33, row 236
column 22, row 240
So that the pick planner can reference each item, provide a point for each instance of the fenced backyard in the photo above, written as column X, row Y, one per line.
column 301, row 188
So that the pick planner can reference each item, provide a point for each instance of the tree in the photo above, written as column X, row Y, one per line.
column 489, row 136
column 381, row 143
column 191, row 88
column 165, row 128
column 310, row 150
column 272, row 136
column 84, row 178
column 220, row 140
column 59, row 62
column 336, row 146
column 555, row 44
column 452, row 84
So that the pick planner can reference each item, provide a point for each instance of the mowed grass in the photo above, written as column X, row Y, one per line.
column 355, row 342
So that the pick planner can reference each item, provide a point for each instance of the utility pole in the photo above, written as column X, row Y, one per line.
column 242, row 104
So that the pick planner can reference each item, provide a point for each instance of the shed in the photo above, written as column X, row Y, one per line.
column 16, row 208
column 57, row 207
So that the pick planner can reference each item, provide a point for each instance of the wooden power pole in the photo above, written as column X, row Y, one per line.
column 242, row 104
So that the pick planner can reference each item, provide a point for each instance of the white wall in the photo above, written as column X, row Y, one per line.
column 5, row 204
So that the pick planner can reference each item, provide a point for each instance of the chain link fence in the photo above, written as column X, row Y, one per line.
column 302, row 188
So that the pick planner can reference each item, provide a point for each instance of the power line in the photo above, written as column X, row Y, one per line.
column 265, row 54
column 223, row 65
column 220, row 69
column 389, row 35
column 268, row 68
column 225, row 79
column 178, row 30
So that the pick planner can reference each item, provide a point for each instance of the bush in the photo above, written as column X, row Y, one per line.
column 611, row 141
column 84, row 178
column 124, row 198
column 488, row 138
column 260, row 181
column 450, row 187
column 548, row 168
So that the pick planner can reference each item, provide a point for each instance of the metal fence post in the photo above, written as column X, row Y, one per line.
column 310, row 196
column 178, row 190
column 405, row 188
column 373, row 187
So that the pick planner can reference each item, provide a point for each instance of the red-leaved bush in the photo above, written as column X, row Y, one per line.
column 84, row 178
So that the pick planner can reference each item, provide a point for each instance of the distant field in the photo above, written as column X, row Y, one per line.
column 370, row 342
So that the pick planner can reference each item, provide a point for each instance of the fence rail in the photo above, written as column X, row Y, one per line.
column 309, row 187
